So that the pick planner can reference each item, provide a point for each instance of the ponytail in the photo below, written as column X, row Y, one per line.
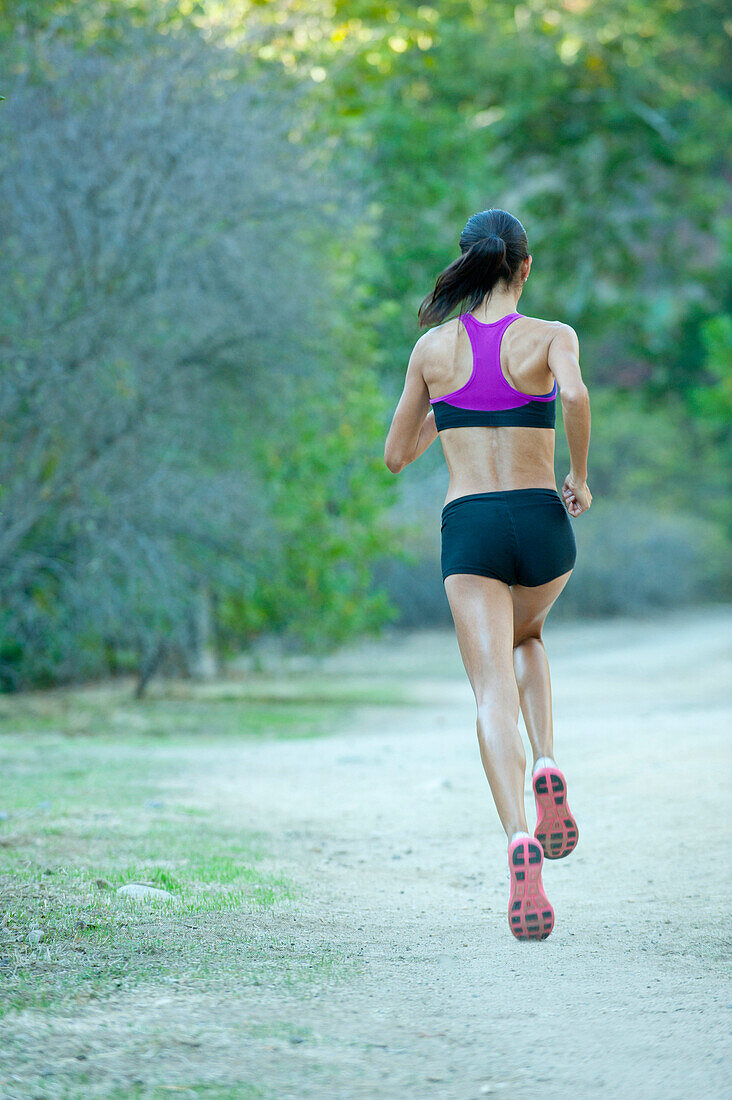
column 493, row 245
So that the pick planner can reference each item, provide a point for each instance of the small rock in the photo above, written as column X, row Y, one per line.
column 4, row 815
column 36, row 936
column 142, row 890
column 44, row 805
column 437, row 785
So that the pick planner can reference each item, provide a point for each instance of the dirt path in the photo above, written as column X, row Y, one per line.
column 389, row 829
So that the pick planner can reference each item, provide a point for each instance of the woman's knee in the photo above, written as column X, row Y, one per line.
column 498, row 732
column 530, row 639
column 529, row 636
column 498, row 704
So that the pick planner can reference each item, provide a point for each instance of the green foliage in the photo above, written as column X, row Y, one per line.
column 327, row 488
column 713, row 402
column 632, row 559
column 604, row 127
column 139, row 496
column 637, row 451
column 89, row 22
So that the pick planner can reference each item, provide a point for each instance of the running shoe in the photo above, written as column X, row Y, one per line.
column 556, row 829
column 530, row 915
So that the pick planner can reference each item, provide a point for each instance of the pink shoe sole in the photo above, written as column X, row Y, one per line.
column 530, row 915
column 556, row 829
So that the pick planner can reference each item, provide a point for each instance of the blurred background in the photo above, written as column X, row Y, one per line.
column 219, row 219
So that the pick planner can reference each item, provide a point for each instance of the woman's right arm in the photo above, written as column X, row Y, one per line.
column 563, row 362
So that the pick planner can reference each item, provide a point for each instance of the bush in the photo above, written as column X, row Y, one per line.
column 630, row 560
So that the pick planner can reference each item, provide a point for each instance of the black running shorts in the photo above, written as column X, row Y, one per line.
column 518, row 536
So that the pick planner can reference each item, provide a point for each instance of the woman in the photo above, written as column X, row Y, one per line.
column 491, row 377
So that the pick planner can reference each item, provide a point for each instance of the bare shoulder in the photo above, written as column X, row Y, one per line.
column 433, row 344
column 437, row 336
column 552, row 328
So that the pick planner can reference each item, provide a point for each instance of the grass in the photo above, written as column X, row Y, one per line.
column 97, row 793
column 67, row 934
column 242, row 1091
column 264, row 707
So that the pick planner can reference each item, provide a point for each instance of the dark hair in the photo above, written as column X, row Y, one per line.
column 493, row 245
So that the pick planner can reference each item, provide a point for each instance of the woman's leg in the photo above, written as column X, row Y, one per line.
column 482, row 609
column 530, row 608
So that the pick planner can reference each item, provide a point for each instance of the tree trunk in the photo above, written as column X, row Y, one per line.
column 201, row 657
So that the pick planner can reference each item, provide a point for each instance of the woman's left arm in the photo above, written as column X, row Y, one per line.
column 413, row 424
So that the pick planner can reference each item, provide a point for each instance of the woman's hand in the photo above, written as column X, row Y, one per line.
column 577, row 495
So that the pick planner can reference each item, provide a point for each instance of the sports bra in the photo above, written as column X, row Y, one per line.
column 487, row 398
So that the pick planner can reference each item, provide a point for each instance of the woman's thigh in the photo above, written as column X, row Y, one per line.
column 482, row 610
column 531, row 606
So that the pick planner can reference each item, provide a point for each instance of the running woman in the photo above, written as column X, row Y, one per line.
column 491, row 376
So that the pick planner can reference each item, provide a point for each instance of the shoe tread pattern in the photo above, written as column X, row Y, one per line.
column 530, row 914
column 556, row 829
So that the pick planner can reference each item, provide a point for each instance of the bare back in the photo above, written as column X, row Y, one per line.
column 483, row 459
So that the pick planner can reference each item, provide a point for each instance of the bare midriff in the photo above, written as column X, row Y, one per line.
column 489, row 460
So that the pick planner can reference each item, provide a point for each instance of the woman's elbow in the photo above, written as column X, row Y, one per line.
column 577, row 394
column 394, row 463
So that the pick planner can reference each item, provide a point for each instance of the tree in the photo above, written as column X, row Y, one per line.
column 158, row 279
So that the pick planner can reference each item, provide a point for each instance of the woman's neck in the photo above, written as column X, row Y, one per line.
column 496, row 306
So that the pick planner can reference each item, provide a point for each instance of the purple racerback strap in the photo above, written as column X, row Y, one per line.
column 487, row 388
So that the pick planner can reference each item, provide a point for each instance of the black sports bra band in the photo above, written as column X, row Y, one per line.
column 535, row 414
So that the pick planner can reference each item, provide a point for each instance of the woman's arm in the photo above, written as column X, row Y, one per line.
column 413, row 424
column 564, row 365
column 427, row 434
